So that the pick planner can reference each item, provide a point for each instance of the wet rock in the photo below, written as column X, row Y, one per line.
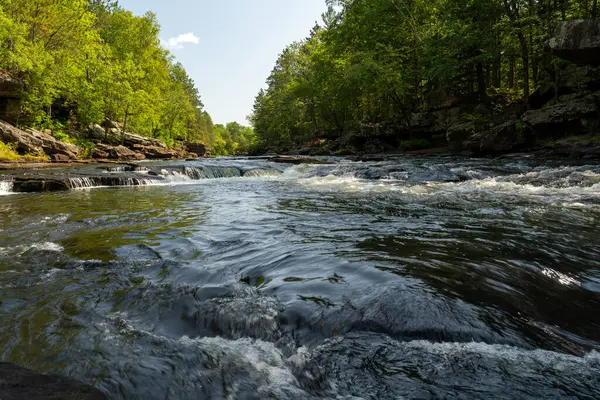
column 296, row 160
column 37, row 185
column 577, row 41
column 9, row 86
column 571, row 115
column 20, row 383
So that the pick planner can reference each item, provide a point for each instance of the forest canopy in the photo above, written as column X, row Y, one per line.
column 373, row 61
column 90, row 61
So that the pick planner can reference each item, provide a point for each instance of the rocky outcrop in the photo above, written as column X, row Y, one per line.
column 577, row 147
column 572, row 115
column 577, row 41
column 458, row 133
column 37, row 143
column 20, row 383
column 196, row 148
column 155, row 152
column 497, row 139
column 116, row 152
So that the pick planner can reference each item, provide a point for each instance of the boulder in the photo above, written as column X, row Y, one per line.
column 96, row 132
column 20, row 383
column 100, row 154
column 116, row 152
column 60, row 158
column 155, row 152
column 52, row 146
column 570, row 116
column 197, row 148
column 458, row 133
column 577, row 41
column 578, row 147
column 132, row 140
column 26, row 143
column 498, row 139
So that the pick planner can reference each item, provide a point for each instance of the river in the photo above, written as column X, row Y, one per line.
column 403, row 278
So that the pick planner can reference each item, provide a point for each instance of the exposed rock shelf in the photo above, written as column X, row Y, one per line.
column 62, row 179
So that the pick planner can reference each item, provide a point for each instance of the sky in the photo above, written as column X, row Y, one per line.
column 229, row 47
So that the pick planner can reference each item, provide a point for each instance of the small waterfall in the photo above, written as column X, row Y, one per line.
column 81, row 183
column 175, row 176
column 210, row 172
column 261, row 172
column 6, row 187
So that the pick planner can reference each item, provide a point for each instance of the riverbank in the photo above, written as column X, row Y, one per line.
column 96, row 144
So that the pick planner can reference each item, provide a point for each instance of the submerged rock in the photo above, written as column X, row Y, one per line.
column 20, row 383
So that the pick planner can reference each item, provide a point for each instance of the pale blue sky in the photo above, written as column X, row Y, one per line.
column 239, row 41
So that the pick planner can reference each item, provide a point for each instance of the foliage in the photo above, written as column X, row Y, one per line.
column 232, row 139
column 373, row 61
column 88, row 61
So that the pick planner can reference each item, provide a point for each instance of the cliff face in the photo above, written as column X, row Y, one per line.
column 10, row 95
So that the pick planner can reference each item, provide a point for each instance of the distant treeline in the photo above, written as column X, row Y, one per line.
column 373, row 61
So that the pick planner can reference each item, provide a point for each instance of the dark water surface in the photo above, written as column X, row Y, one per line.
column 409, row 278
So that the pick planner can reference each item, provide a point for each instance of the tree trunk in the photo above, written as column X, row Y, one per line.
column 481, row 88
column 595, row 9
column 511, row 72
column 525, row 55
column 124, row 125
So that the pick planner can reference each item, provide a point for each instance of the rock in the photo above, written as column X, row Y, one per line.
column 10, row 87
column 570, row 116
column 498, row 139
column 132, row 140
column 458, row 133
column 117, row 152
column 34, row 185
column 52, row 146
column 20, row 383
column 96, row 132
column 26, row 143
column 36, row 143
column 197, row 148
column 155, row 152
column 578, row 147
column 296, row 160
column 577, row 41
column 60, row 158
column 100, row 154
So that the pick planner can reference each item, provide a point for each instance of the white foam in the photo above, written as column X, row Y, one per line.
column 6, row 188
column 44, row 246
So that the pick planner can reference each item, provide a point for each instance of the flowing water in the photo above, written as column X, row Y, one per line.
column 407, row 278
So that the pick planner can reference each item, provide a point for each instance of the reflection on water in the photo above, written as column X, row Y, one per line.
column 422, row 278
